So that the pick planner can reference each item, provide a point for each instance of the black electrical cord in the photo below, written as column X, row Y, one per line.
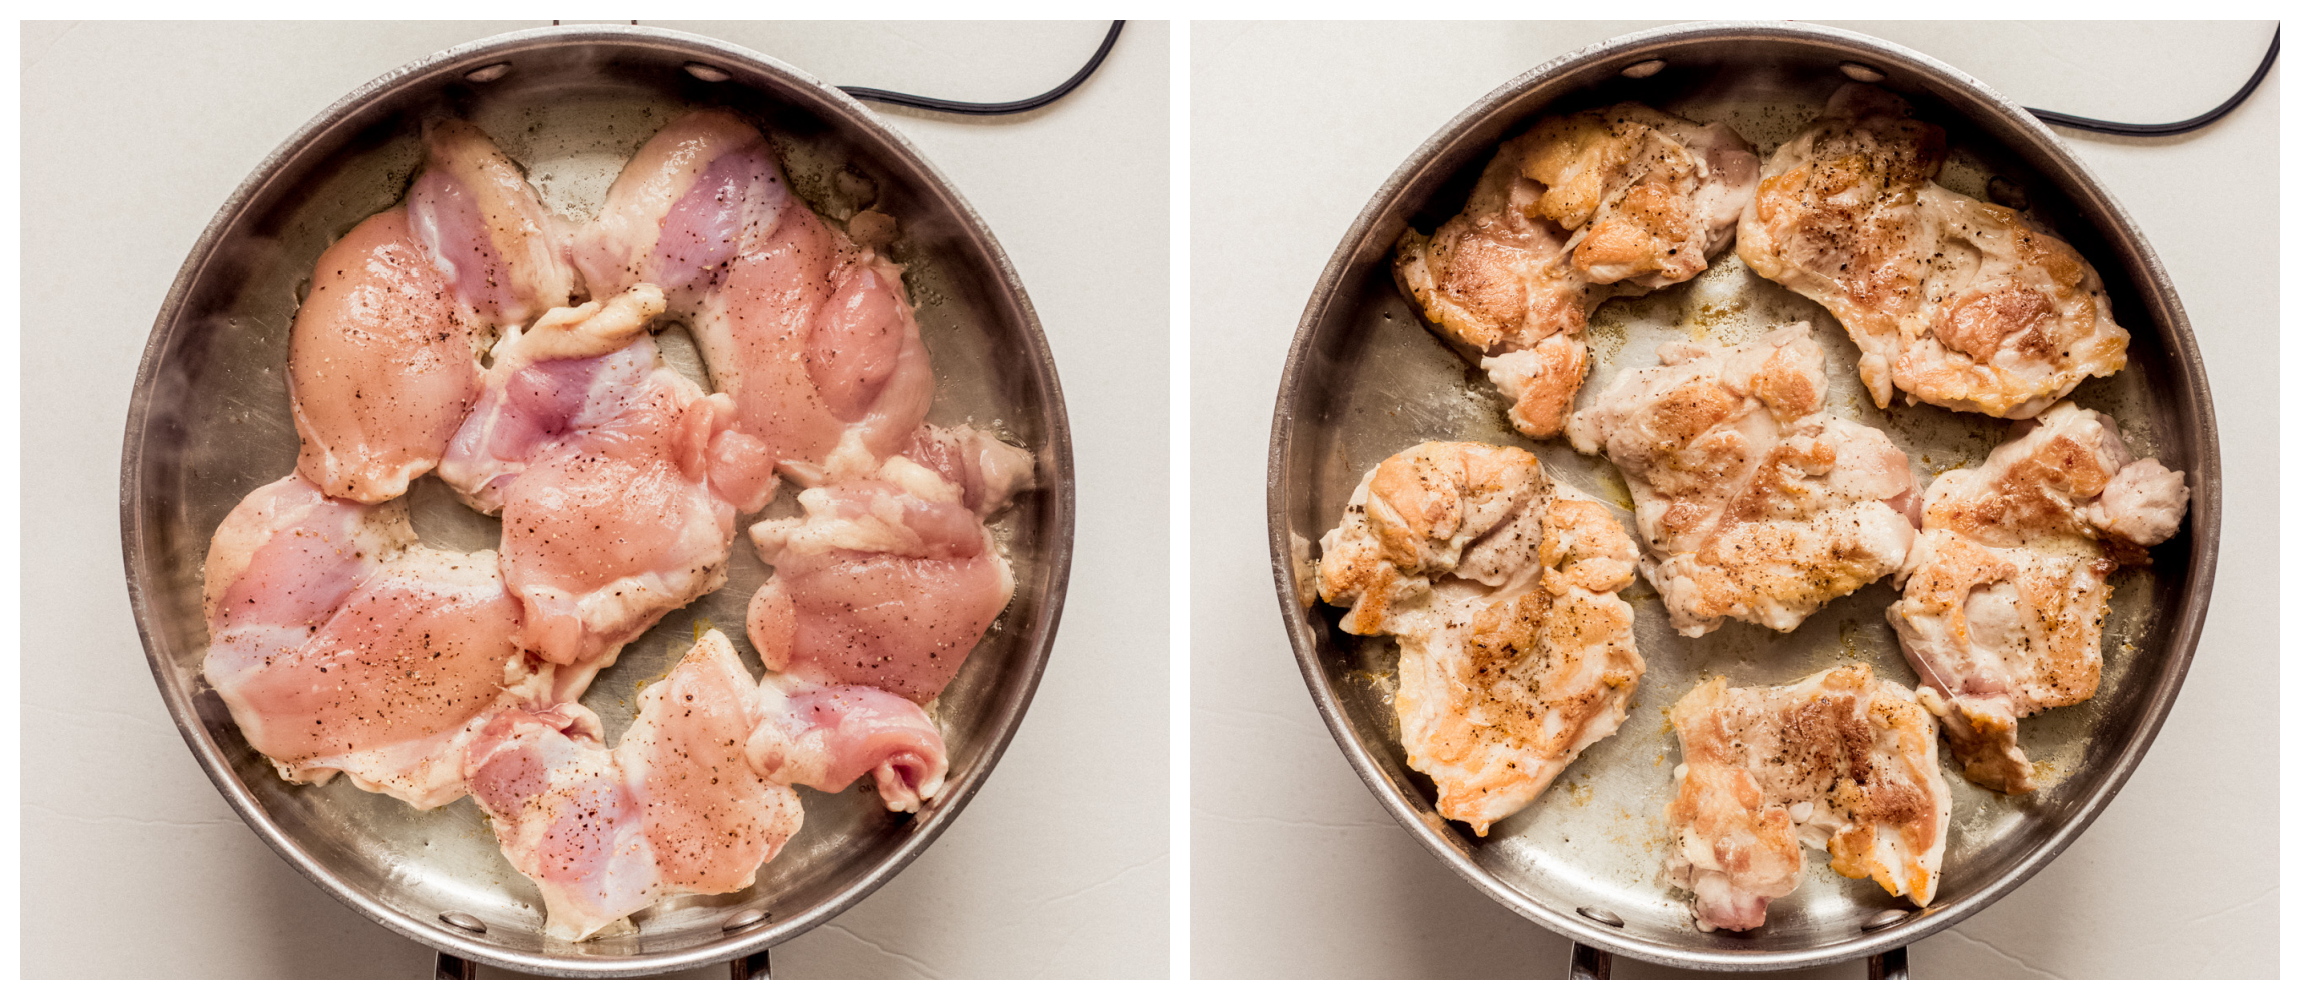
column 2169, row 128
column 1008, row 108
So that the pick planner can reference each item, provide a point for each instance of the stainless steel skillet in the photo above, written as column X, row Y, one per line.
column 208, row 422
column 1364, row 380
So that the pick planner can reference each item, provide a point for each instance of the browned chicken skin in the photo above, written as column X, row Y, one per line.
column 2007, row 587
column 1840, row 758
column 1956, row 302
column 1753, row 503
column 1619, row 200
column 1515, row 646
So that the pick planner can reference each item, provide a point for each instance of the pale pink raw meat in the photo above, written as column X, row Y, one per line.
column 382, row 359
column 500, row 251
column 340, row 644
column 809, row 334
column 598, row 457
column 380, row 364
column 673, row 809
column 878, row 585
column 813, row 339
column 826, row 737
column 988, row 472
column 696, row 194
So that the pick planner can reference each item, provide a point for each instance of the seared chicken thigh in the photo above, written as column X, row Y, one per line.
column 1753, row 503
column 1502, row 589
column 1622, row 196
column 1958, row 302
column 2007, row 588
column 1839, row 758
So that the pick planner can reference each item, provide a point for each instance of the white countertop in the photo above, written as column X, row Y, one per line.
column 1298, row 871
column 133, row 136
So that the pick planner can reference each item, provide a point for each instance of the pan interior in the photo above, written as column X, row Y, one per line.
column 1369, row 381
column 217, row 427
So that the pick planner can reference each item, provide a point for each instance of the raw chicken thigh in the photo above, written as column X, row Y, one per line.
column 382, row 357
column 808, row 333
column 825, row 737
column 886, row 582
column 1839, row 758
column 673, row 809
column 1958, row 302
column 2007, row 588
column 880, row 592
column 701, row 191
column 812, row 337
column 500, row 251
column 599, row 458
column 381, row 368
column 989, row 472
column 1753, row 503
column 341, row 644
column 1502, row 589
column 1625, row 196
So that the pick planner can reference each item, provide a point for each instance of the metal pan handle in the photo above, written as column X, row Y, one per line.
column 1593, row 963
column 457, row 967
column 1588, row 963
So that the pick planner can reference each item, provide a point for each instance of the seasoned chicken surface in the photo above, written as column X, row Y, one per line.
column 885, row 582
column 1753, row 503
column 827, row 736
column 1840, row 758
column 342, row 645
column 500, row 251
column 383, row 355
column 1502, row 590
column 1958, row 302
column 806, row 330
column 2005, row 593
column 599, row 457
column 1618, row 200
column 382, row 366
column 691, row 199
column 674, row 808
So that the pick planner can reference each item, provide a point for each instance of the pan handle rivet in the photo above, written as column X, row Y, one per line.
column 463, row 921
column 488, row 74
column 707, row 73
column 1883, row 919
column 1602, row 916
column 1639, row 71
column 744, row 918
column 1860, row 71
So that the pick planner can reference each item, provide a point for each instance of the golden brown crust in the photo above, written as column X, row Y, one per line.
column 1753, row 503
column 1621, row 196
column 1838, row 752
column 1955, row 301
column 1516, row 652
